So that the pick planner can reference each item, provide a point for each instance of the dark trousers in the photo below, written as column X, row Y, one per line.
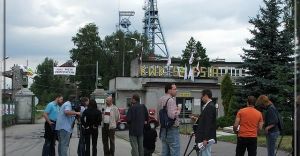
column 148, row 152
column 108, row 135
column 92, row 132
column 244, row 143
column 50, row 138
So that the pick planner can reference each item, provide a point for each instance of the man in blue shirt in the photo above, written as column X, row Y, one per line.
column 64, row 125
column 50, row 115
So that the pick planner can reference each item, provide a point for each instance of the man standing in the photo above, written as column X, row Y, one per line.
column 136, row 117
column 170, row 137
column 64, row 125
column 271, row 123
column 206, row 129
column 111, row 116
column 50, row 115
column 250, row 121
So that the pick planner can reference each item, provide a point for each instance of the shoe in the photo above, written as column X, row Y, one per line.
column 209, row 143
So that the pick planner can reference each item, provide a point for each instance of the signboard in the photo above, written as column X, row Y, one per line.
column 176, row 71
column 101, row 101
column 64, row 71
column 185, row 94
column 197, row 102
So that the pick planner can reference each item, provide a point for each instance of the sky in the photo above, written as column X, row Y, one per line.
column 44, row 28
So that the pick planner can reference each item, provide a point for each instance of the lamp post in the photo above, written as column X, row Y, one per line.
column 141, row 55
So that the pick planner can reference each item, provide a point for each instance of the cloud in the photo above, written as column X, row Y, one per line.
column 43, row 28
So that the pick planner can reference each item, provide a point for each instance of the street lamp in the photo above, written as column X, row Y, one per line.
column 123, row 56
column 141, row 55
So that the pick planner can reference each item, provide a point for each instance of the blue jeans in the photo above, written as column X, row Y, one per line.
column 63, row 142
column 206, row 151
column 170, row 142
column 271, row 142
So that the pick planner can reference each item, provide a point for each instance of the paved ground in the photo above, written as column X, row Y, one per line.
column 27, row 140
column 219, row 149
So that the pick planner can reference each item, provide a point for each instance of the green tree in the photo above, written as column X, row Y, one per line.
column 269, row 55
column 132, row 45
column 227, row 91
column 86, row 53
column 199, row 54
column 45, row 85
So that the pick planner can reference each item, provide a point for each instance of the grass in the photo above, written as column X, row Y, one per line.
column 185, row 129
column 285, row 145
column 39, row 114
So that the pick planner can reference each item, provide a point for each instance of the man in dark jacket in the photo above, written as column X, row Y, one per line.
column 206, row 130
column 136, row 117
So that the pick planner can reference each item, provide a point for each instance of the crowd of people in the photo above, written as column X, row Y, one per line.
column 60, row 119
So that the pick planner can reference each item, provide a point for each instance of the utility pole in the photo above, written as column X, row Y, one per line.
column 123, row 54
column 96, row 82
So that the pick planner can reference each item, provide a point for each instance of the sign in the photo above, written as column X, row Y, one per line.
column 185, row 94
column 101, row 101
column 176, row 71
column 197, row 102
column 64, row 71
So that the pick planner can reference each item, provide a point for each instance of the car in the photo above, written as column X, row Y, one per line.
column 152, row 119
column 122, row 123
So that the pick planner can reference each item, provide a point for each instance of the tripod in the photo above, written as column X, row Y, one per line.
column 195, row 147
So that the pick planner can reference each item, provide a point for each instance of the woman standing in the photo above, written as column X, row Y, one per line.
column 91, row 119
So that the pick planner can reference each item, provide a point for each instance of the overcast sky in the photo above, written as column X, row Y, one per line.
column 43, row 28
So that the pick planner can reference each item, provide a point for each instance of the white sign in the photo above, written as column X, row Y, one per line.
column 99, row 101
column 64, row 71
column 197, row 102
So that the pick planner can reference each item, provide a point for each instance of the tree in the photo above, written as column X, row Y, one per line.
column 227, row 91
column 45, row 85
column 199, row 54
column 86, row 53
column 269, row 55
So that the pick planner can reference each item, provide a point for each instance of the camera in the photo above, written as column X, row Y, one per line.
column 195, row 126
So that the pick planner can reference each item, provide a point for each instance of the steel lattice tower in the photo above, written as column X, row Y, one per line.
column 153, row 29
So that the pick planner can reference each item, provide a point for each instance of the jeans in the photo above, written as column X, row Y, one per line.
column 63, row 142
column 249, row 143
column 206, row 151
column 137, row 147
column 108, row 135
column 170, row 142
column 87, row 134
column 271, row 142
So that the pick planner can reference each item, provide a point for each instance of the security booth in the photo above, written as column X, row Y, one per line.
column 99, row 95
column 25, row 106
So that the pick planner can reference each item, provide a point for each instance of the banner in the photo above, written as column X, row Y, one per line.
column 64, row 71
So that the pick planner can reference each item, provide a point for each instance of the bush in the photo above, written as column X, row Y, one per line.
column 224, row 121
column 288, row 125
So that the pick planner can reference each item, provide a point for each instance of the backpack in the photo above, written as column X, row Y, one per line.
column 164, row 120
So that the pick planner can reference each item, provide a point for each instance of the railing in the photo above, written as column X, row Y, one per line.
column 8, row 114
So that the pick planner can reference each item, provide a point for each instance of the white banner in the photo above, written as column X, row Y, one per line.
column 64, row 71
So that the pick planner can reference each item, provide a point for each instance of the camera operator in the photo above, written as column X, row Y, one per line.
column 206, row 130
column 247, row 123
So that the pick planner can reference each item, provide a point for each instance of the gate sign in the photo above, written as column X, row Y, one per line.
column 64, row 71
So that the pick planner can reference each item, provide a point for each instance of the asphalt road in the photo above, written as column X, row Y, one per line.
column 27, row 140
column 219, row 149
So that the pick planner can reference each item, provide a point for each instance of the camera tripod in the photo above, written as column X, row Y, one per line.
column 195, row 147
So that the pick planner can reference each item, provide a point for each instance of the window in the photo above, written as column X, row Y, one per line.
column 238, row 72
column 243, row 72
